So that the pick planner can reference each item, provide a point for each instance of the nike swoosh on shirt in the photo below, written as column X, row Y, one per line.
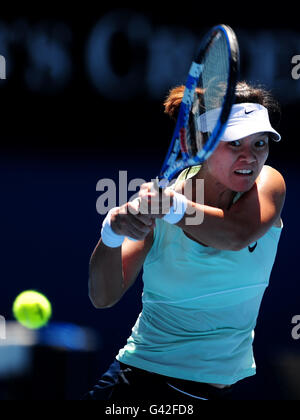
column 252, row 248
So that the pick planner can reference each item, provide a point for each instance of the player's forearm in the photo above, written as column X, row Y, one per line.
column 212, row 226
column 105, row 276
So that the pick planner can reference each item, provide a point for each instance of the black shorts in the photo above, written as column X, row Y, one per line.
column 126, row 383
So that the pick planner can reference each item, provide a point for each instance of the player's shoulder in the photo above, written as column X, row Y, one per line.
column 272, row 180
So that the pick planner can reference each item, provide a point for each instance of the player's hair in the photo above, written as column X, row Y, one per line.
column 244, row 93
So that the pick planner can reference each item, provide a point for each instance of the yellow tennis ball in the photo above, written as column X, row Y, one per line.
column 32, row 309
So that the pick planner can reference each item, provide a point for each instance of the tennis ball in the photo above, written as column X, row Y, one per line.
column 32, row 309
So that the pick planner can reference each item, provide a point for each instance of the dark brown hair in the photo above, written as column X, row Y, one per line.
column 244, row 93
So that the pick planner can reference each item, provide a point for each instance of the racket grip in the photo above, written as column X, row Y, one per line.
column 160, row 184
column 136, row 201
column 179, row 205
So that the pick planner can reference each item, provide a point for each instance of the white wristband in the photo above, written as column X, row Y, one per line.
column 177, row 210
column 108, row 236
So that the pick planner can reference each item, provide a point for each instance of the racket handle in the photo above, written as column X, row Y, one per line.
column 160, row 184
column 179, row 205
column 136, row 201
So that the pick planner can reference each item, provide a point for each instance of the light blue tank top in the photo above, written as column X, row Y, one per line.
column 200, row 307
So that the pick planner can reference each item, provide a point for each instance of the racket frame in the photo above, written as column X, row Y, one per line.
column 171, row 166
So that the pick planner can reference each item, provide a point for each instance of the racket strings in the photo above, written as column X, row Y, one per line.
column 209, row 94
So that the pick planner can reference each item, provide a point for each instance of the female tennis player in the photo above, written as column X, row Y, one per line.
column 204, row 282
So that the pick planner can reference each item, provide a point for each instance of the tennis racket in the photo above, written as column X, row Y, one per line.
column 208, row 97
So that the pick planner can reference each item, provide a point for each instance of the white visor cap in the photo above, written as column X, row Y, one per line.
column 244, row 119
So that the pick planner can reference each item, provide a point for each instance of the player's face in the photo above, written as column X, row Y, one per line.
column 237, row 164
